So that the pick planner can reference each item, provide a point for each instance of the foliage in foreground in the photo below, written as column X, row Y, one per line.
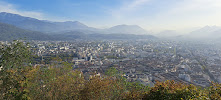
column 19, row 80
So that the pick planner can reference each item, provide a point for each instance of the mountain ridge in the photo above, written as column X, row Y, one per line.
column 68, row 30
column 130, row 29
column 206, row 32
column 53, row 27
column 39, row 25
column 10, row 32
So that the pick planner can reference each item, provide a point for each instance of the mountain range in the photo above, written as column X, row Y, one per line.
column 15, row 26
column 10, row 32
column 39, row 25
column 208, row 32
column 53, row 27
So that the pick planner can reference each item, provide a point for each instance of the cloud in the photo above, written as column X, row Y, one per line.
column 10, row 8
column 134, row 4
column 127, row 7
column 199, row 6
column 188, row 13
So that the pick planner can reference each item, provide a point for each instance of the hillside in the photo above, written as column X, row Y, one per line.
column 10, row 32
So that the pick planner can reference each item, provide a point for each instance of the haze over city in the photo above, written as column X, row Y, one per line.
column 152, row 15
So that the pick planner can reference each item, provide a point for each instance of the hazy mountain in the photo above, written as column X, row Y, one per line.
column 63, row 30
column 80, row 35
column 217, row 33
column 10, row 32
column 127, row 29
column 40, row 25
column 206, row 32
column 53, row 27
column 167, row 34
column 71, row 35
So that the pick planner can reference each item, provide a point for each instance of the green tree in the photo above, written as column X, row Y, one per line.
column 55, row 83
column 14, row 60
column 122, row 89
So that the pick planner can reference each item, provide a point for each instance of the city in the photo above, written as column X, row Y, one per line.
column 143, row 61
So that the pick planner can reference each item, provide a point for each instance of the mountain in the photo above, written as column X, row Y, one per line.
column 97, row 36
column 10, row 32
column 127, row 29
column 40, row 25
column 209, row 32
column 69, row 30
column 167, row 34
column 71, row 35
column 55, row 27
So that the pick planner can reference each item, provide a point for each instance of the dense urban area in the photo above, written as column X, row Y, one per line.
column 143, row 61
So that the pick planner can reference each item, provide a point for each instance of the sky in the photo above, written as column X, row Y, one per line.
column 153, row 15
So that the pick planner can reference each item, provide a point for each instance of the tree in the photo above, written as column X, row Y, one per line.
column 14, row 60
column 214, row 91
column 14, row 56
column 122, row 89
column 170, row 90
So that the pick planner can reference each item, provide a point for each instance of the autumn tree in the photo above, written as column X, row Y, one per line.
column 170, row 90
column 214, row 91
column 14, row 60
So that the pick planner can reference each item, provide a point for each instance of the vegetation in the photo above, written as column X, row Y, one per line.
column 19, row 80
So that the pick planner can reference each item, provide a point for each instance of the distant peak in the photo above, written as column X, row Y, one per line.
column 71, row 21
column 6, row 13
column 127, row 26
column 76, row 22
column 3, row 12
column 127, row 29
column 214, row 26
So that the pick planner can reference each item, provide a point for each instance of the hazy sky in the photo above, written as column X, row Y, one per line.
column 149, row 14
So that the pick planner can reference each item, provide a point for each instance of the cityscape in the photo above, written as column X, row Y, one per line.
column 144, row 61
